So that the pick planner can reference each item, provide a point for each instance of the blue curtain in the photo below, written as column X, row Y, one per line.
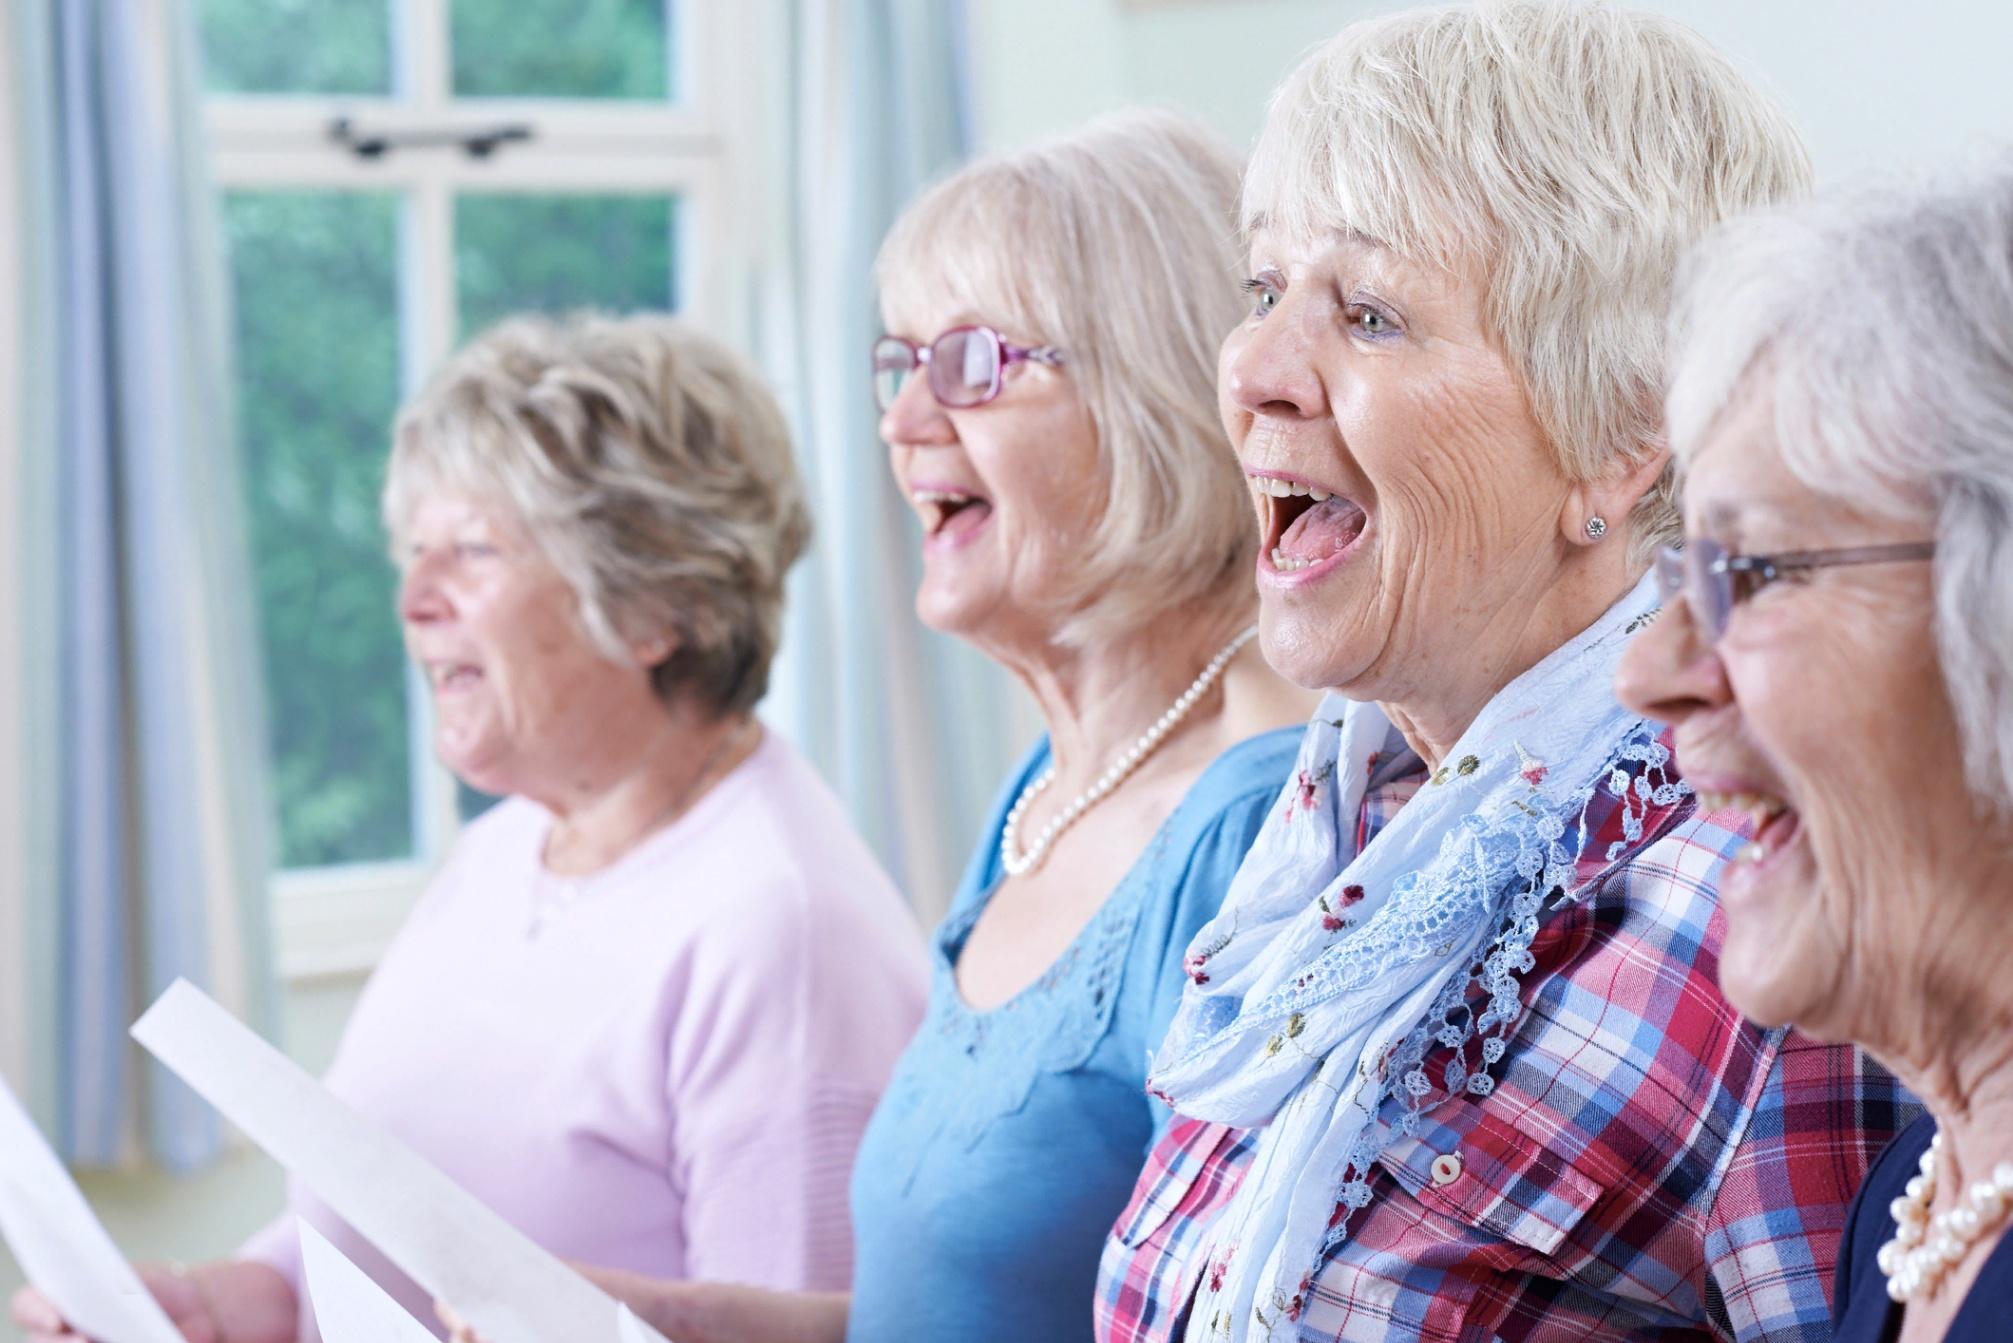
column 915, row 730
column 152, row 846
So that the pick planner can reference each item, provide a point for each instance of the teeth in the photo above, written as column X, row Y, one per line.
column 1286, row 563
column 1759, row 807
column 1286, row 489
column 942, row 497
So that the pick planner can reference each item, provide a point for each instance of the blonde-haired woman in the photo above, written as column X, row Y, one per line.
column 1047, row 391
column 646, row 1008
column 1453, row 1065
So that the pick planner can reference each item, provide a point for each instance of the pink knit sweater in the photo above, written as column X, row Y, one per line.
column 672, row 1072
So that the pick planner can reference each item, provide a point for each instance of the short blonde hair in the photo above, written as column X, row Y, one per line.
column 1117, row 244
column 651, row 466
column 1568, row 151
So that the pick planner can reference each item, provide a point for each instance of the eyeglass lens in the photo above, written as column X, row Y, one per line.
column 964, row 367
column 1698, row 574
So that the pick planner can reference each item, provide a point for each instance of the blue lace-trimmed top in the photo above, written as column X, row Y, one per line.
column 1008, row 1140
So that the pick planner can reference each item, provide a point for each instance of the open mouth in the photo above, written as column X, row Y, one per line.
column 1773, row 824
column 1306, row 527
column 950, row 513
column 451, row 677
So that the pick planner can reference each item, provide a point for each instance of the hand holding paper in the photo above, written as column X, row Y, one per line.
column 62, row 1246
column 503, row 1283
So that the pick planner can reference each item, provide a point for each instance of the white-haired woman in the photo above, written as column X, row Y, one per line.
column 1840, row 667
column 1046, row 393
column 1452, row 1065
column 645, row 1010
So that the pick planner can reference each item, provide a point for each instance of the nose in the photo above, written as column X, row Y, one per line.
column 1668, row 672
column 422, row 599
column 915, row 418
column 1268, row 366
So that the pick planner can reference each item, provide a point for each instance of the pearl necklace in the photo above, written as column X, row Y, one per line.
column 1923, row 1250
column 1016, row 860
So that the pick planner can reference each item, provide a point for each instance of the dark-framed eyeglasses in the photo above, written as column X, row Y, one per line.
column 1714, row 581
column 965, row 365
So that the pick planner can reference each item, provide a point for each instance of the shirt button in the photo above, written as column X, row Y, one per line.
column 1446, row 1169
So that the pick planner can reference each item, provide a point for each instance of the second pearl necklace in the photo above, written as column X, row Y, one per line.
column 1016, row 860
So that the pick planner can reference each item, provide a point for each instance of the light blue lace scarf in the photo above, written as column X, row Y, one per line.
column 1318, row 992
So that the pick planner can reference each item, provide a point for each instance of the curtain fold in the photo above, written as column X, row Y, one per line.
column 151, row 854
column 870, row 103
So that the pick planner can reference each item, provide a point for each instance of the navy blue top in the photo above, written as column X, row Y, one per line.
column 1862, row 1311
column 1008, row 1141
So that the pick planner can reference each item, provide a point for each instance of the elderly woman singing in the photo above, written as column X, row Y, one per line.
column 1452, row 1064
column 1839, row 668
column 646, row 1008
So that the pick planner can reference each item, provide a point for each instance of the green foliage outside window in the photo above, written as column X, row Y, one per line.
column 560, row 49
column 297, row 46
column 317, row 350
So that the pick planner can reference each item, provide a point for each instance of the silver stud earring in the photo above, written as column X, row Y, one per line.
column 1597, row 527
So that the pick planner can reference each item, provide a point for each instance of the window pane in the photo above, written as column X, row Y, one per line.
column 515, row 253
column 297, row 46
column 316, row 291
column 562, row 48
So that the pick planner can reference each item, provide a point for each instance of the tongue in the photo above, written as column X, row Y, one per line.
column 1322, row 530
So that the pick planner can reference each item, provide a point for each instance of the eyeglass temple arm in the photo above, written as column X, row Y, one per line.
column 1828, row 559
column 1041, row 354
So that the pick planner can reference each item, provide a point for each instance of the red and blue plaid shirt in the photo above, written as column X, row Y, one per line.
column 1650, row 1165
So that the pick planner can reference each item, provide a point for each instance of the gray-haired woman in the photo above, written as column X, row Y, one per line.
column 666, row 979
column 1840, row 670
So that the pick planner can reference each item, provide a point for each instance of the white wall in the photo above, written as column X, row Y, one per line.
column 1873, row 83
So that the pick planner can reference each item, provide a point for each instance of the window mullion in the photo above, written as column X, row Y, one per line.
column 427, row 296
column 429, row 64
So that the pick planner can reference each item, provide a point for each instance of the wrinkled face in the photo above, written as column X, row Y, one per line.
column 1820, row 721
column 1008, row 492
column 523, row 699
column 1404, row 492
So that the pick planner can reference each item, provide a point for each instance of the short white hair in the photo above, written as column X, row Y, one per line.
column 1879, row 323
column 1117, row 243
column 1567, row 151
column 651, row 466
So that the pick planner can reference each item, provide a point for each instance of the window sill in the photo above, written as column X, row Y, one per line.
column 337, row 922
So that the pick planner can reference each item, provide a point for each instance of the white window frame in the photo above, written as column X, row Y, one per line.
column 337, row 921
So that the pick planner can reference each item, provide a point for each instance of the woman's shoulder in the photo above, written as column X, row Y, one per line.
column 1226, row 806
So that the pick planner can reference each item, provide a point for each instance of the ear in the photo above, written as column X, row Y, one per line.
column 1611, row 496
column 654, row 651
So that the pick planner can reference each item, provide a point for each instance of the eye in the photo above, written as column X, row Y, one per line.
column 1370, row 322
column 1264, row 295
column 473, row 550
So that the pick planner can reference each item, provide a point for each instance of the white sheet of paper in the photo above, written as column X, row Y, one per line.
column 507, row 1287
column 349, row 1306
column 62, row 1246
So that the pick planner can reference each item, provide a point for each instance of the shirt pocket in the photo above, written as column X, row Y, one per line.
column 1501, row 1181
column 1185, row 1153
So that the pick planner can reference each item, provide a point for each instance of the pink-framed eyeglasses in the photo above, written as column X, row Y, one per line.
column 965, row 365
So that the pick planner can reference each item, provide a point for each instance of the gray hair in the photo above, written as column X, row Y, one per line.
column 1880, row 324
column 1569, row 151
column 1118, row 244
column 651, row 466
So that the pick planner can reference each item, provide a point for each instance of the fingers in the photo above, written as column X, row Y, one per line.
column 459, row 1330
column 35, row 1313
column 173, row 1288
